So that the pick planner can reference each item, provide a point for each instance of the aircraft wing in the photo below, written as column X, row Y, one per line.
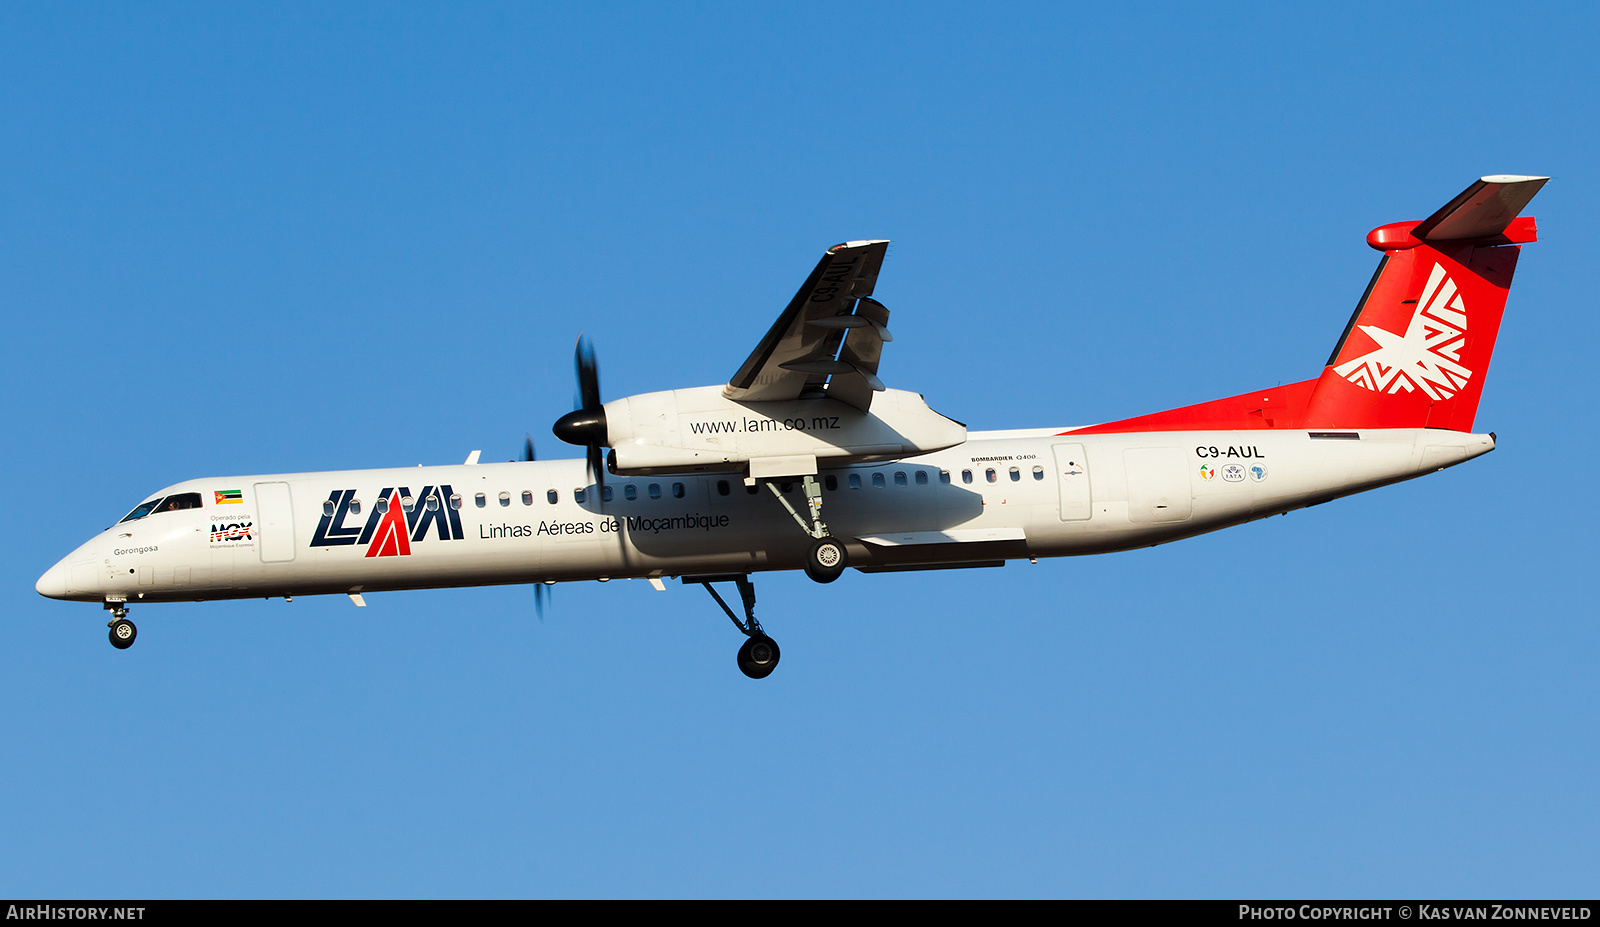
column 827, row 342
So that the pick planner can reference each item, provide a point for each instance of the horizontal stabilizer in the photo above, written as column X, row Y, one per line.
column 1482, row 210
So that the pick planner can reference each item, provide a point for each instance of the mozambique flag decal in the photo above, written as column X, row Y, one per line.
column 229, row 496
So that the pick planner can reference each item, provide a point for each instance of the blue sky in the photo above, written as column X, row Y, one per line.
column 269, row 238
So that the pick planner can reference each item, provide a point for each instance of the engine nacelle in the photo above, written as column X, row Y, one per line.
column 700, row 430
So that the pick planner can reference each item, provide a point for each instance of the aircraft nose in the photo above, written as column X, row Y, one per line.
column 54, row 582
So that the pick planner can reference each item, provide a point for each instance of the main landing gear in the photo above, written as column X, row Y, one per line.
column 825, row 559
column 122, row 630
column 758, row 657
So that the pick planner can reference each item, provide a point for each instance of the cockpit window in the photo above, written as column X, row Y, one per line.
column 173, row 503
column 183, row 500
column 142, row 510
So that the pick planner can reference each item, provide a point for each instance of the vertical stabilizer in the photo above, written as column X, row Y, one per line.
column 1417, row 349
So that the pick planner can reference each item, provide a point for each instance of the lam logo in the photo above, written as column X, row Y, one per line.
column 1428, row 356
column 397, row 520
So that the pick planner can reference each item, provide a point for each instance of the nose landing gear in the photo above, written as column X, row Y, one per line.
column 758, row 656
column 123, row 631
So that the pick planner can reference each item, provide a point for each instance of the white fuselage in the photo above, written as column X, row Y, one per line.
column 1049, row 494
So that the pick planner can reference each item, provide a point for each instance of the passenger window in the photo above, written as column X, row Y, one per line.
column 382, row 505
column 527, row 497
column 752, row 490
column 723, row 488
column 406, row 502
column 922, row 477
column 607, row 493
column 480, row 500
column 966, row 476
column 944, row 477
column 433, row 502
column 505, row 499
column 899, row 477
column 677, row 490
column 1038, row 473
column 830, row 482
column 355, row 506
column 1015, row 474
column 455, row 502
column 630, row 492
column 989, row 475
column 327, row 508
column 580, row 495
column 551, row 497
column 655, row 490
column 877, row 481
column 855, row 481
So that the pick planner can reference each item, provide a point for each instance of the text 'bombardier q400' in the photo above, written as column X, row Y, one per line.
column 806, row 460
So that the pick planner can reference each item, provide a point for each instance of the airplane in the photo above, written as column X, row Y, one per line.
column 805, row 459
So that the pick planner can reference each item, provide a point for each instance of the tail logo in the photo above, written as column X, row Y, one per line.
column 1428, row 356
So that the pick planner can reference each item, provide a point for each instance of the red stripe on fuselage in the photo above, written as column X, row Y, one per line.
column 1278, row 407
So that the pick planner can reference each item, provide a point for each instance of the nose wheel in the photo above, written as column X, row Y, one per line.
column 758, row 655
column 123, row 631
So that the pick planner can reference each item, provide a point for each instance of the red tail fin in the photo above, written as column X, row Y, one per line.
column 1417, row 350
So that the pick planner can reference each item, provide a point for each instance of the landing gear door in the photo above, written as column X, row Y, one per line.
column 1072, row 476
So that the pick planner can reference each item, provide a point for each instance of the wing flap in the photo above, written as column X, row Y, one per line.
column 863, row 347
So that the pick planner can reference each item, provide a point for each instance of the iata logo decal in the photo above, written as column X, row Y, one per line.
column 397, row 520
column 1427, row 356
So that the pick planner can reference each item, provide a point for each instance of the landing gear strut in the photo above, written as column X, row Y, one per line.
column 825, row 559
column 758, row 656
column 122, row 630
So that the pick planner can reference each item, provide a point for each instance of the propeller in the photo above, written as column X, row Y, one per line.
column 542, row 594
column 585, row 426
